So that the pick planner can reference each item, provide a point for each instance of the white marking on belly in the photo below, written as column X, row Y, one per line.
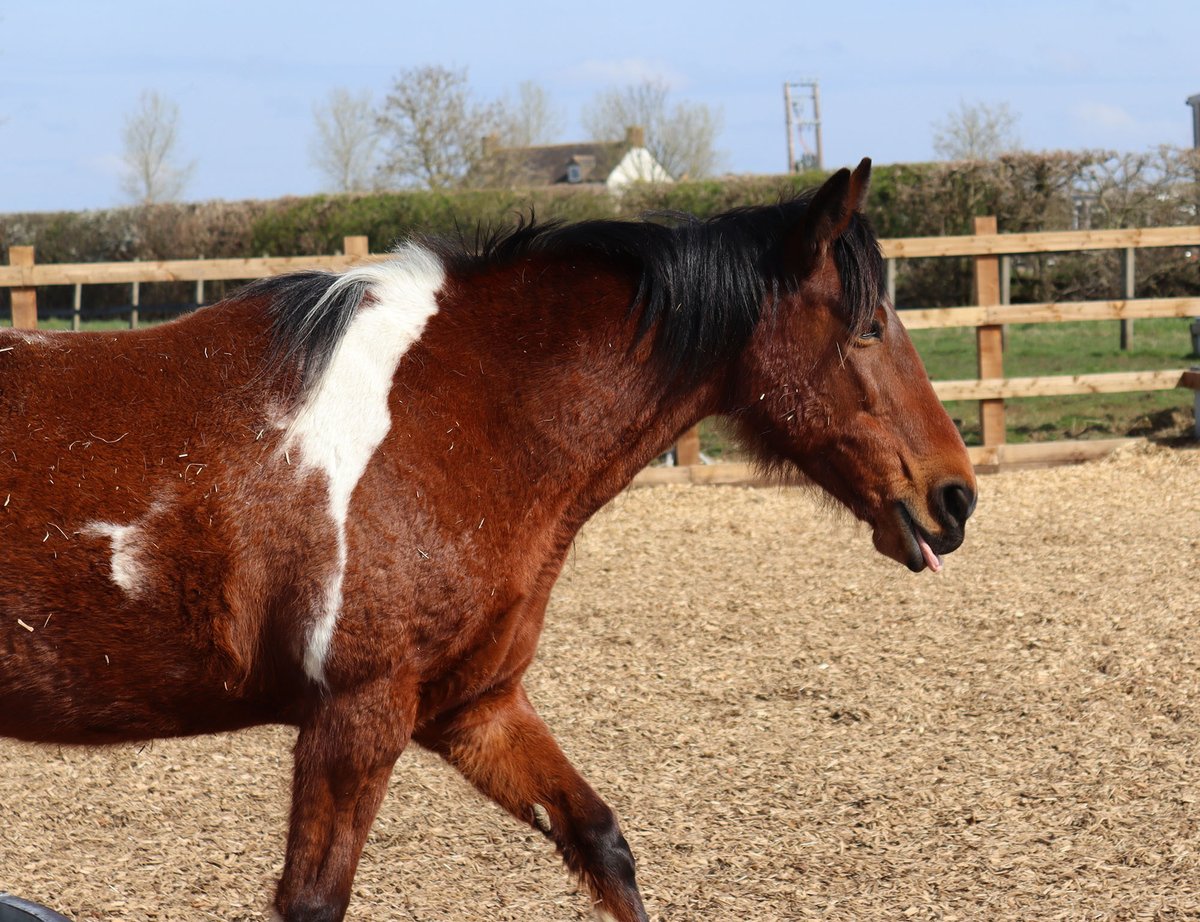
column 125, row 569
column 346, row 416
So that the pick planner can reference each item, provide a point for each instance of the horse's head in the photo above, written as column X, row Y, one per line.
column 831, row 382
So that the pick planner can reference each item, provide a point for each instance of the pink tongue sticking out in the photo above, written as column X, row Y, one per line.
column 931, row 559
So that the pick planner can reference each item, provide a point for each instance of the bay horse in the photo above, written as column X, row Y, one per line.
column 339, row 501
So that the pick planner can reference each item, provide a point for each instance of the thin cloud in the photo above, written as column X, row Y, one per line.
column 108, row 165
column 1104, row 116
column 627, row 70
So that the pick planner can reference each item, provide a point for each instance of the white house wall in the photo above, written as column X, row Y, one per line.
column 638, row 165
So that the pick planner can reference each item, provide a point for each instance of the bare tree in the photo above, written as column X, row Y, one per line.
column 150, row 137
column 681, row 139
column 435, row 130
column 346, row 141
column 978, row 131
column 531, row 119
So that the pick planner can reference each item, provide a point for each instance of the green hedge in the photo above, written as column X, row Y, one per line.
column 1027, row 192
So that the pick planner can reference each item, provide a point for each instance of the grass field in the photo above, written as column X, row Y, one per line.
column 1068, row 349
column 62, row 323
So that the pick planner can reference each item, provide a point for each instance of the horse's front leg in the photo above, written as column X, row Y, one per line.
column 344, row 757
column 502, row 747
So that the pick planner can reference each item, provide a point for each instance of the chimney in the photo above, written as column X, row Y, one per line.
column 1194, row 102
column 491, row 143
column 635, row 136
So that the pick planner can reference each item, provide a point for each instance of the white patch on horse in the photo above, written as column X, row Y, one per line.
column 345, row 417
column 125, row 570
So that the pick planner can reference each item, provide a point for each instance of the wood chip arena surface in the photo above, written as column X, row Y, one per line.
column 790, row 726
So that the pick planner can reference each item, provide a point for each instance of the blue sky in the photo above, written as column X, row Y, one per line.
column 246, row 74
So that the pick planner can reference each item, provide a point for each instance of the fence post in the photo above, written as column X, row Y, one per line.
column 356, row 247
column 1128, row 274
column 24, row 300
column 77, row 309
column 989, row 338
column 137, row 298
column 1005, row 289
column 687, row 449
column 1196, row 399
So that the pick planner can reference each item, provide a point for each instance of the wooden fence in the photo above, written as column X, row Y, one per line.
column 989, row 313
column 990, row 251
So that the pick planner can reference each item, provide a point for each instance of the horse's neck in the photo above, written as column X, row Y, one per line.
column 586, row 405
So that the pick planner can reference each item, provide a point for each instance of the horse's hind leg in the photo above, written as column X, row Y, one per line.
column 344, row 756
column 501, row 746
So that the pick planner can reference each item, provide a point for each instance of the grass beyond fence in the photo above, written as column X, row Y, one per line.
column 1045, row 350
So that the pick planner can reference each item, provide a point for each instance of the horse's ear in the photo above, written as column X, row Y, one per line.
column 860, row 182
column 831, row 210
column 836, row 202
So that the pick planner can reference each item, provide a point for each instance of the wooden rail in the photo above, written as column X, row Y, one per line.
column 1049, row 312
column 166, row 270
column 990, row 243
column 989, row 314
column 1059, row 385
column 989, row 250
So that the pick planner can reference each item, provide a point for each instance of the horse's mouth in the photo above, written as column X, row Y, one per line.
column 918, row 549
column 921, row 555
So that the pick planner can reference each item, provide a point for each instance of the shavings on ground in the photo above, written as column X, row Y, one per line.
column 790, row 727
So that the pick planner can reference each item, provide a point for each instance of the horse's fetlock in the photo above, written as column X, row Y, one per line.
column 610, row 851
column 315, row 913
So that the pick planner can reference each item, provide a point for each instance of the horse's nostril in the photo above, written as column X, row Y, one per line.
column 958, row 501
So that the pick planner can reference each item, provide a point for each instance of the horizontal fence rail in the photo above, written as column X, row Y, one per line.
column 988, row 315
column 165, row 270
column 1119, row 382
column 1048, row 312
column 994, row 244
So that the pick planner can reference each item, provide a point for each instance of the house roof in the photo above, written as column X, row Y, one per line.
column 549, row 164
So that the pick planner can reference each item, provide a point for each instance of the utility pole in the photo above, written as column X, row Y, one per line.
column 787, row 121
column 800, row 128
column 1194, row 102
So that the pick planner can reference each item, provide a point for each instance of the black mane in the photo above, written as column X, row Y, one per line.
column 703, row 283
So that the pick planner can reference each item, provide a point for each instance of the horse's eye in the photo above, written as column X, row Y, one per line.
column 874, row 332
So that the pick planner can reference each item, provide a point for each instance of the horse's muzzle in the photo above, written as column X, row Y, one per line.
column 950, row 504
column 953, row 502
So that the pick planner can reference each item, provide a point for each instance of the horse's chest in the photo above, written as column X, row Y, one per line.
column 439, row 606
